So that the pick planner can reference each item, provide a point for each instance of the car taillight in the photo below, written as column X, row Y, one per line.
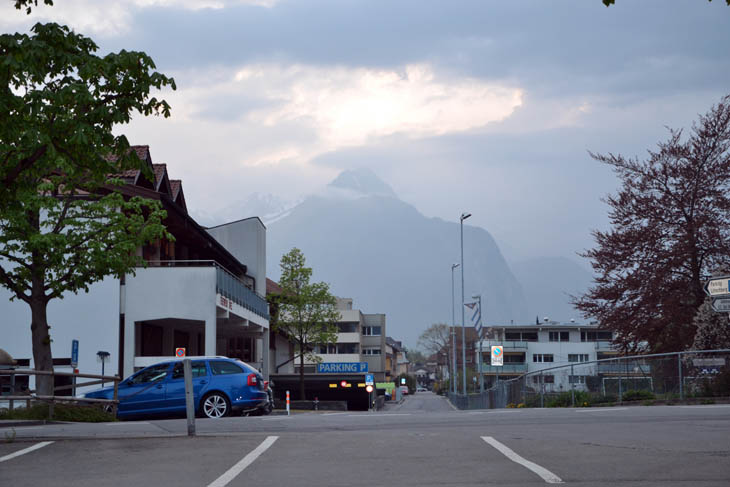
column 252, row 380
column 266, row 384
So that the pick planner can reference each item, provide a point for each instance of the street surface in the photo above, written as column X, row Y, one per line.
column 421, row 442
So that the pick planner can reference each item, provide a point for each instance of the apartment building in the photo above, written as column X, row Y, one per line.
column 537, row 347
column 360, row 340
column 204, row 292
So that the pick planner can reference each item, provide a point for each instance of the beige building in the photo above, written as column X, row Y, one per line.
column 360, row 340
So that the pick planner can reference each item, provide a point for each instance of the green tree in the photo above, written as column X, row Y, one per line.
column 307, row 312
column 436, row 339
column 64, row 223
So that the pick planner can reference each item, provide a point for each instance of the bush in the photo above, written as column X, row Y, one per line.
column 638, row 396
column 61, row 412
column 565, row 399
column 598, row 399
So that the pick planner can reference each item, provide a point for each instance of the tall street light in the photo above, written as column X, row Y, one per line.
column 453, row 329
column 463, row 217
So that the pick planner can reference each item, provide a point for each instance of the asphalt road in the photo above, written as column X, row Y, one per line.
column 421, row 442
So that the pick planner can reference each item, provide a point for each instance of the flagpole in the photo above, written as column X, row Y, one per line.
column 479, row 336
column 463, row 217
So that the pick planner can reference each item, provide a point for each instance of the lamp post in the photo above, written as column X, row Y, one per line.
column 103, row 356
column 453, row 328
column 478, row 297
column 463, row 217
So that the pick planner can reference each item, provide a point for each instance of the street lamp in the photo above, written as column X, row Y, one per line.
column 103, row 356
column 478, row 297
column 463, row 217
column 453, row 329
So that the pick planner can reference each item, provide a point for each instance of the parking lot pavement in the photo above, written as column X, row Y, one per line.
column 647, row 446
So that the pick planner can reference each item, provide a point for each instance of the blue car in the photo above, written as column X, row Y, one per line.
column 220, row 385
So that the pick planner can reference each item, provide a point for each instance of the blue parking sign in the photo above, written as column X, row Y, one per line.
column 74, row 353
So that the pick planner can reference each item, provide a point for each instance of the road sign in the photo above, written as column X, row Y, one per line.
column 74, row 353
column 497, row 355
column 718, row 286
column 721, row 305
column 342, row 367
column 402, row 381
column 179, row 352
column 369, row 379
column 369, row 389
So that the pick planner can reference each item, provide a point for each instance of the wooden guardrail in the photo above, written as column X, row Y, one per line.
column 52, row 400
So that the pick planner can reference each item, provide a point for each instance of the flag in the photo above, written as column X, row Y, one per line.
column 476, row 318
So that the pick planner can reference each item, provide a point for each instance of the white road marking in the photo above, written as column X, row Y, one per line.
column 546, row 474
column 25, row 450
column 599, row 410
column 233, row 472
column 332, row 414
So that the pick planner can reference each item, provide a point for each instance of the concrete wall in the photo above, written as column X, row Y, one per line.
column 92, row 318
column 246, row 240
column 169, row 292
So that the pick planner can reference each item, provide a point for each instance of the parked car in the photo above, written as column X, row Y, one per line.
column 421, row 389
column 220, row 386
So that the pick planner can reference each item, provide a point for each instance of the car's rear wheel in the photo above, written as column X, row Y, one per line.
column 215, row 405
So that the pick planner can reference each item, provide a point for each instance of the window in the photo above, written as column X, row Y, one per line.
column 347, row 348
column 542, row 357
column 151, row 374
column 596, row 336
column 559, row 336
column 577, row 379
column 578, row 357
column 371, row 331
column 371, row 351
column 517, row 358
column 199, row 370
column 347, row 327
column 220, row 367
column 520, row 336
column 546, row 379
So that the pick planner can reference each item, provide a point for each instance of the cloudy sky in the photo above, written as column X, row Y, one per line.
column 483, row 106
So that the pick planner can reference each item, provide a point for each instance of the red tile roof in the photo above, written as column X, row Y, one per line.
column 272, row 287
column 176, row 186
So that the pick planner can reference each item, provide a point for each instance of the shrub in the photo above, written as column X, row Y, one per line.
column 61, row 412
column 638, row 396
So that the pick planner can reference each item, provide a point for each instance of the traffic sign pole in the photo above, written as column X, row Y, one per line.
column 189, row 398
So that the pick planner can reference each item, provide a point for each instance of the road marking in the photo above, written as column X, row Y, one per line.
column 599, row 410
column 122, row 423
column 546, row 474
column 233, row 472
column 25, row 450
column 333, row 414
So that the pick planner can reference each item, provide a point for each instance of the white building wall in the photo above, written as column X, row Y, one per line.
column 246, row 240
column 169, row 292
column 92, row 318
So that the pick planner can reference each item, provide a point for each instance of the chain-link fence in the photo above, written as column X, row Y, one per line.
column 700, row 376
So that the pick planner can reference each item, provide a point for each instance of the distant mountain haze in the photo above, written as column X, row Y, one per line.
column 371, row 246
column 548, row 283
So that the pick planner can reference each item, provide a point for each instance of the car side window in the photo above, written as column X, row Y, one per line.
column 155, row 373
column 199, row 370
column 225, row 368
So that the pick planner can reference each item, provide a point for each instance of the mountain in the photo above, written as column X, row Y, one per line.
column 548, row 283
column 266, row 206
column 371, row 246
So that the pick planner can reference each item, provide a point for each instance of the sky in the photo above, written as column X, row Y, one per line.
column 488, row 107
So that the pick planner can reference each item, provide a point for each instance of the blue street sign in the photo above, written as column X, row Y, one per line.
column 342, row 367
column 369, row 379
column 74, row 353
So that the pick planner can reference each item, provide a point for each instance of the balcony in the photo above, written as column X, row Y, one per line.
column 604, row 346
column 229, row 286
column 507, row 345
column 505, row 369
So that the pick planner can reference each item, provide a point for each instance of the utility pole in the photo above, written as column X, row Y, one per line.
column 453, row 330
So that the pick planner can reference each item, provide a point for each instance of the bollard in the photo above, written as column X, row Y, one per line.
column 287, row 403
column 189, row 397
column 316, row 403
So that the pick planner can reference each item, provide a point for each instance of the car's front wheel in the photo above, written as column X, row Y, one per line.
column 215, row 405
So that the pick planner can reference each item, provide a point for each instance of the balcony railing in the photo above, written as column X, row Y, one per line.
column 227, row 285
column 604, row 346
column 507, row 345
column 505, row 369
column 234, row 289
column 624, row 368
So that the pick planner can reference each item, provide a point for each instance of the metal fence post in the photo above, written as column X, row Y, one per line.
column 542, row 391
column 679, row 365
column 571, row 379
column 189, row 397
column 620, row 385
